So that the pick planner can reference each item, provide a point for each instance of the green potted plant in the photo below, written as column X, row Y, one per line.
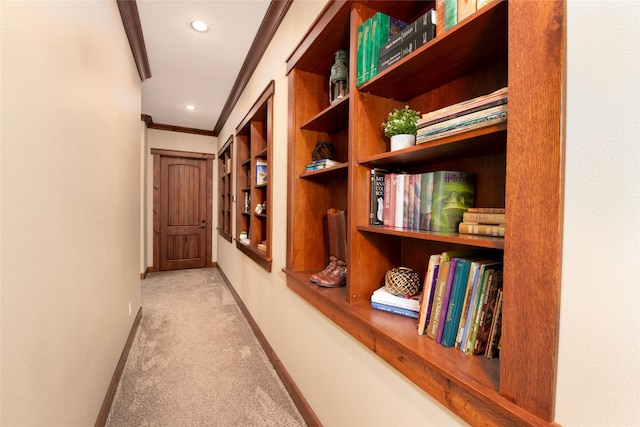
column 401, row 127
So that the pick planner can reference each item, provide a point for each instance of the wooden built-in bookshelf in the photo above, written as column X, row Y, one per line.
column 519, row 166
column 254, row 141
column 225, row 192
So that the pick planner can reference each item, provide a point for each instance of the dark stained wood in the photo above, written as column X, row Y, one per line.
column 225, row 192
column 131, row 22
column 255, row 142
column 519, row 165
column 183, row 213
column 206, row 160
column 103, row 415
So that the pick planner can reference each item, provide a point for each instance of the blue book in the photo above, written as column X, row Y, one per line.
column 458, row 289
column 395, row 310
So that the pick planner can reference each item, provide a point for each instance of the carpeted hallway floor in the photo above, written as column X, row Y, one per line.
column 196, row 362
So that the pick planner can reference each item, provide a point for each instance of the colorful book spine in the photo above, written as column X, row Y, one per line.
column 427, row 292
column 417, row 195
column 450, row 13
column 481, row 229
column 399, row 205
column 383, row 296
column 454, row 311
column 453, row 193
column 426, row 197
column 376, row 211
column 445, row 298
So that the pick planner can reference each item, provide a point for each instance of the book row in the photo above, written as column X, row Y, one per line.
column 430, row 201
column 460, row 304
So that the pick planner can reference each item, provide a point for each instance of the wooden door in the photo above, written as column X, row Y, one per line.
column 183, row 213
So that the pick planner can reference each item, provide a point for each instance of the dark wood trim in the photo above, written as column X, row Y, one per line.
column 113, row 386
column 133, row 29
column 274, row 16
column 296, row 395
column 187, row 154
column 144, row 274
column 148, row 120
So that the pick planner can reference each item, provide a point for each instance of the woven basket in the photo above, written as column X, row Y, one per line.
column 402, row 281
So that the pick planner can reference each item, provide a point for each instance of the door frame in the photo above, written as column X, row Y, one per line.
column 209, row 157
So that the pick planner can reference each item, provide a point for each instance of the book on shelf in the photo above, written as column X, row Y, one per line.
column 477, row 120
column 395, row 310
column 475, row 310
column 487, row 210
column 428, row 288
column 492, row 230
column 495, row 333
column 450, row 13
column 493, row 99
column 400, row 200
column 426, row 198
column 454, row 310
column 383, row 296
column 483, row 218
column 442, row 291
column 469, row 295
column 376, row 210
column 466, row 8
column 494, row 282
column 389, row 213
column 453, row 193
column 321, row 164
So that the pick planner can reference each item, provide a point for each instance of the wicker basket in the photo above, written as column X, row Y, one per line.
column 402, row 281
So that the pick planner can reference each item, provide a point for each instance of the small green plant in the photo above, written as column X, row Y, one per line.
column 401, row 121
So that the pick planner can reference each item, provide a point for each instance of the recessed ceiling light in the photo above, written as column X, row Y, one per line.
column 190, row 107
column 199, row 26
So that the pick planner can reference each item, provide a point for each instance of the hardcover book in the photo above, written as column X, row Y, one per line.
column 389, row 214
column 426, row 197
column 454, row 311
column 428, row 289
column 494, row 283
column 395, row 310
column 450, row 13
column 383, row 296
column 376, row 212
column 483, row 218
column 481, row 229
column 453, row 193
column 466, row 8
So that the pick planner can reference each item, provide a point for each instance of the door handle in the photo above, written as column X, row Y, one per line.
column 203, row 227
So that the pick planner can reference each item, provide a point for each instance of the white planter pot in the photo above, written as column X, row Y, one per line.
column 401, row 141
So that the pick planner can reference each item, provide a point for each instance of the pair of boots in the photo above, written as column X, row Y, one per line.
column 334, row 274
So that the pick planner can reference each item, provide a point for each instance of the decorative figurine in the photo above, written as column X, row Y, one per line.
column 338, row 80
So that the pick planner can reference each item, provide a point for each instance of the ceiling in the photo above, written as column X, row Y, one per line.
column 194, row 68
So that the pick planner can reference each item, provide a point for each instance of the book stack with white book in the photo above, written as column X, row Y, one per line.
column 384, row 300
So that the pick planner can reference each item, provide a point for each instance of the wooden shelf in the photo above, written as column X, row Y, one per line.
column 453, row 238
column 332, row 119
column 326, row 172
column 255, row 142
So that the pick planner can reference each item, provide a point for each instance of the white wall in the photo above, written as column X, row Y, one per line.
column 178, row 141
column 598, row 359
column 70, row 161
column 599, row 356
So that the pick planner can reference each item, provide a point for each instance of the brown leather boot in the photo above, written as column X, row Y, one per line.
column 332, row 264
column 335, row 278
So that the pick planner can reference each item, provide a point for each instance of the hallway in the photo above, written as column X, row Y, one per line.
column 195, row 361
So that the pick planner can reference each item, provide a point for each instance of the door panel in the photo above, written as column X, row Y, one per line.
column 183, row 213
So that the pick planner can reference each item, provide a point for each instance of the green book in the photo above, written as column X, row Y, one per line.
column 453, row 194
column 359, row 54
column 458, row 289
column 379, row 36
column 426, row 196
column 450, row 13
column 363, row 53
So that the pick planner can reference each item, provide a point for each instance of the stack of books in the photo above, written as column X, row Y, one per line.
column 462, row 301
column 321, row 164
column 483, row 221
column 384, row 300
column 486, row 110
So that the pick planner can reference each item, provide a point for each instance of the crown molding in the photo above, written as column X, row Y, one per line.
column 272, row 20
column 171, row 128
column 133, row 29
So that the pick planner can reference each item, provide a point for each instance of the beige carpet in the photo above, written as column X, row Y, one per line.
column 196, row 362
